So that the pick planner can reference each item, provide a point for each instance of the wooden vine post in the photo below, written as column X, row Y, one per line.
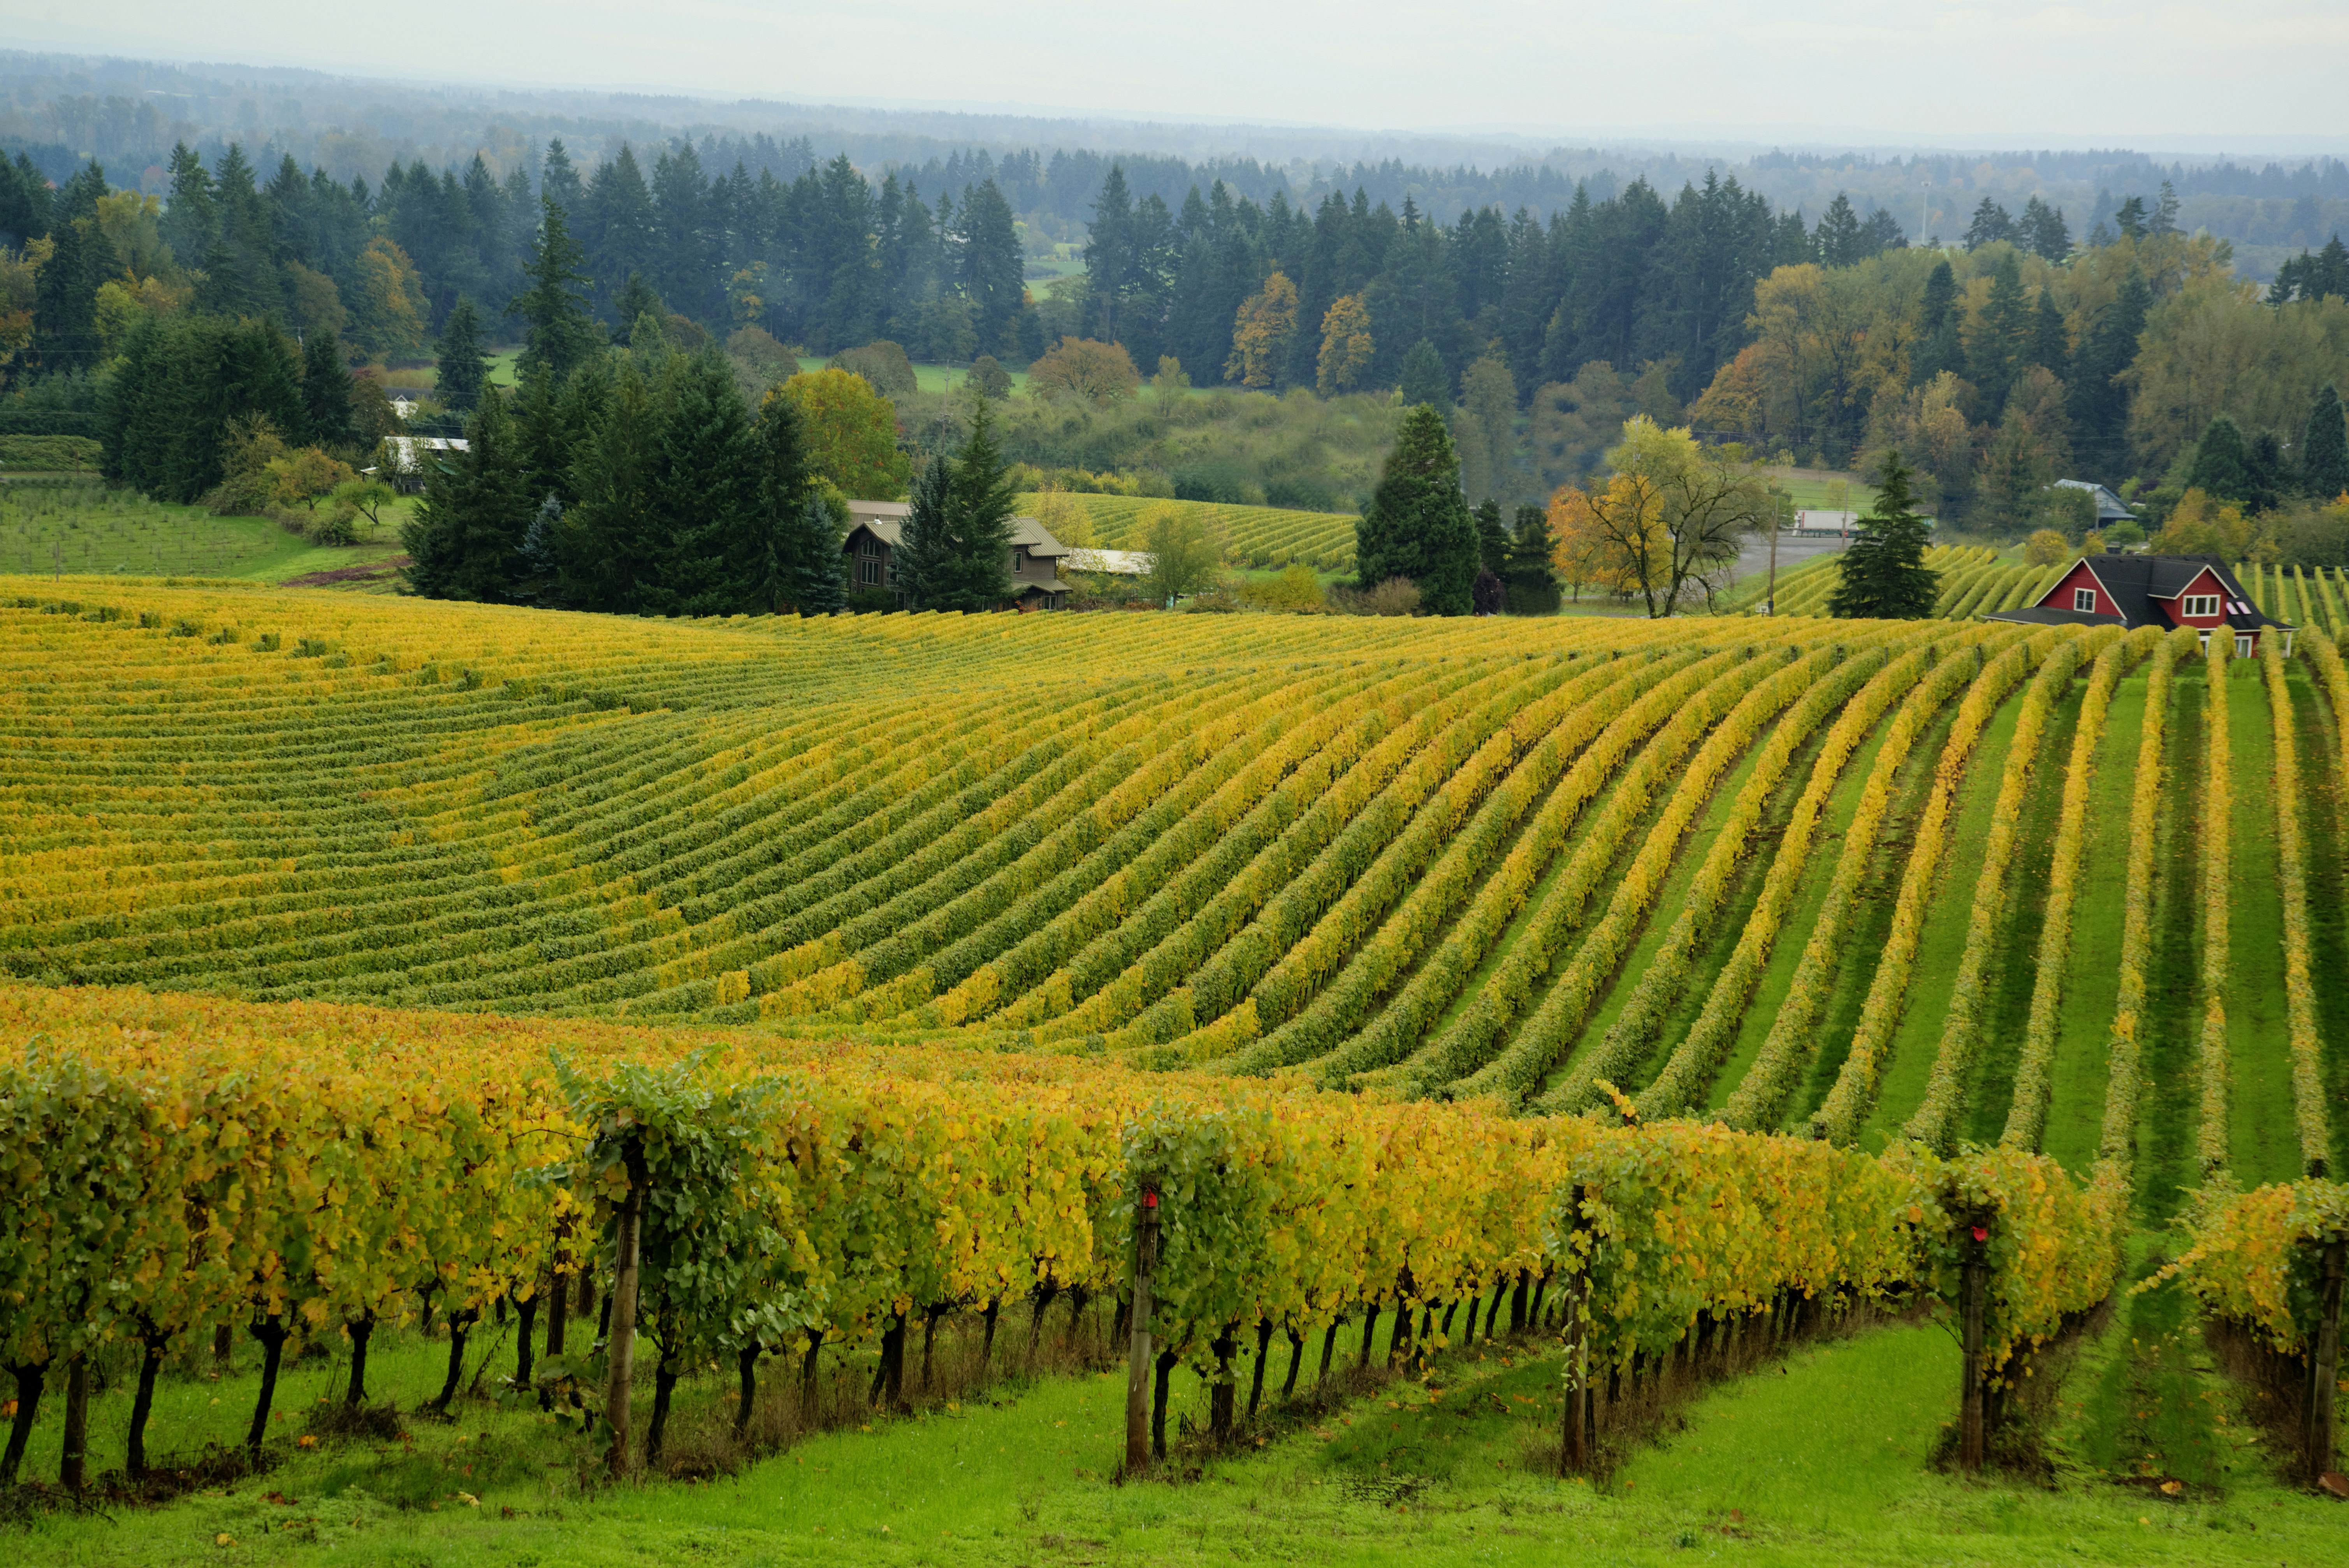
column 622, row 1343
column 2324, row 1363
column 1974, row 1312
column 1574, row 1451
column 1138, row 1356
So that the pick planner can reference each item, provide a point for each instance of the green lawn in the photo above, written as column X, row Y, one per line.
column 2262, row 1140
column 1824, row 1458
column 2076, row 1109
column 1942, row 943
column 107, row 534
column 1812, row 488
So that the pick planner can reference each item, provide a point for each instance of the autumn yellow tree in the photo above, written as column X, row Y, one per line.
column 387, row 313
column 1261, row 331
column 1345, row 346
column 1668, row 522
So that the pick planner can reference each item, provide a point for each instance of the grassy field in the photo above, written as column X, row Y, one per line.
column 1818, row 489
column 1828, row 1459
column 84, row 531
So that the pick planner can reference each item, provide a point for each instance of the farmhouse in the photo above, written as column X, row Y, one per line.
column 2110, row 507
column 2152, row 590
column 876, row 530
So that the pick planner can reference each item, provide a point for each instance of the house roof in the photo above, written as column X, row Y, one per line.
column 2140, row 585
column 886, row 519
column 2110, row 507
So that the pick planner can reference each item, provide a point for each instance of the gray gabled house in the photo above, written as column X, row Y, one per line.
column 876, row 531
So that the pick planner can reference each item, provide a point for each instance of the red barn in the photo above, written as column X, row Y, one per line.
column 2152, row 590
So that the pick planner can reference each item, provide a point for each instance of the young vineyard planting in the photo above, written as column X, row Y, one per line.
column 1819, row 875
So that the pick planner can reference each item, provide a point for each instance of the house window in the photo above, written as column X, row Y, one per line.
column 2084, row 599
column 2204, row 640
column 2201, row 604
column 1015, row 560
column 2242, row 645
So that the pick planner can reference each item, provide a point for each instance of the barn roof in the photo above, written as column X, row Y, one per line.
column 2141, row 586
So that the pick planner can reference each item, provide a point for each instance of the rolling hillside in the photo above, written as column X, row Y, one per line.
column 1866, row 878
column 1257, row 536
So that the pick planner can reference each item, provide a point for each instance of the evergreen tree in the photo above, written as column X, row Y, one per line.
column 535, row 583
column 1990, row 225
column 636, row 302
column 2051, row 345
column 971, row 566
column 614, row 536
column 2042, row 229
column 1417, row 524
column 990, row 267
column 1884, row 573
column 714, row 547
column 2099, row 401
column 2002, row 343
column 808, row 562
column 2222, row 469
column 1424, row 379
column 796, row 564
column 1532, row 579
column 925, row 542
column 460, row 371
column 1493, row 543
column 465, row 540
column 1938, row 345
column 1839, row 236
column 1486, row 595
column 2324, row 449
column 327, row 390
column 557, row 330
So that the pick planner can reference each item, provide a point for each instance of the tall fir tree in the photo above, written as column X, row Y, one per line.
column 327, row 390
column 922, row 554
column 1417, row 524
column 808, row 563
column 465, row 540
column 558, row 331
column 1492, row 538
column 613, row 537
column 2324, row 447
column 1423, row 377
column 1532, row 578
column 1884, row 573
column 1939, row 345
column 713, row 552
column 2222, row 468
column 788, row 555
column 2099, row 400
column 460, row 369
column 972, row 568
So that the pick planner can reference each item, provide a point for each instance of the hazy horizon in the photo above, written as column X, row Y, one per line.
column 2254, row 81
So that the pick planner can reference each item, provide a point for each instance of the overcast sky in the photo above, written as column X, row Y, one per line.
column 2242, row 73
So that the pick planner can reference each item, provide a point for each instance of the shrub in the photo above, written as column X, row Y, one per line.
column 2045, row 548
column 1085, row 371
column 884, row 363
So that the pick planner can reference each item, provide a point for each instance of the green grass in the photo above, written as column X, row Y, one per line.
column 1810, row 487
column 1871, row 922
column 2263, row 1142
column 1942, row 943
column 2076, row 1109
column 1822, row 1460
column 87, row 532
column 2168, row 1108
column 1801, row 915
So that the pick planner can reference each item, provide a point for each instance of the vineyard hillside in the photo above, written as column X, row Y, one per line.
column 1858, row 878
column 1258, row 536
